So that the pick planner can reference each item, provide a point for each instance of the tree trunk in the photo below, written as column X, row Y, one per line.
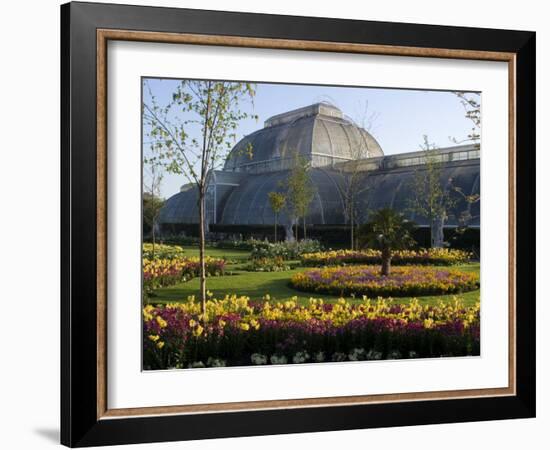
column 304, row 227
column 153, row 237
column 202, row 253
column 289, row 232
column 275, row 233
column 436, row 230
column 386, row 262
column 351, row 231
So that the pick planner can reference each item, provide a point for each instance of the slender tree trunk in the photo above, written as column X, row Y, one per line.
column 153, row 236
column 351, row 231
column 436, row 230
column 386, row 262
column 275, row 233
column 202, row 252
column 304, row 227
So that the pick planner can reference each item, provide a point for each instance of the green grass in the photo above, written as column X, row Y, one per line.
column 257, row 284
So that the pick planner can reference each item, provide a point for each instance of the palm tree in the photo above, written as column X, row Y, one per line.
column 386, row 231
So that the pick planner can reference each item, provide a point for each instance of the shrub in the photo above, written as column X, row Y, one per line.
column 432, row 257
column 402, row 281
column 286, row 250
column 241, row 332
column 276, row 264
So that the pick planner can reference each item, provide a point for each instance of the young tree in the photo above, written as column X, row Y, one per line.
column 432, row 194
column 353, row 181
column 386, row 231
column 152, row 201
column 277, row 202
column 191, row 133
column 300, row 191
column 472, row 107
column 471, row 101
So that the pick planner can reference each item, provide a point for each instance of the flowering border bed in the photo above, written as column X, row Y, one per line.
column 237, row 332
column 432, row 256
column 162, row 251
column 159, row 272
column 402, row 281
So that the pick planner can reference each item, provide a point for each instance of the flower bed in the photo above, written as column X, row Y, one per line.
column 161, row 251
column 240, row 332
column 432, row 256
column 286, row 250
column 159, row 273
column 276, row 264
column 402, row 281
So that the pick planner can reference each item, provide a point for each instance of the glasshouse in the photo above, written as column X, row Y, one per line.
column 339, row 153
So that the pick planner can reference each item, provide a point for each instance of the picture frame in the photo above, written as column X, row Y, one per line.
column 86, row 418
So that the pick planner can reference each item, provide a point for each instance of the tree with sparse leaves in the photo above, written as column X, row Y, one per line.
column 471, row 101
column 386, row 231
column 431, row 193
column 300, row 191
column 277, row 201
column 191, row 133
column 353, row 181
column 152, row 201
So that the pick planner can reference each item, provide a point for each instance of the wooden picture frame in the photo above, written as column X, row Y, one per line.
column 85, row 416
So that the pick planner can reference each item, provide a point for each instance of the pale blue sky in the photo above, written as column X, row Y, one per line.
column 399, row 117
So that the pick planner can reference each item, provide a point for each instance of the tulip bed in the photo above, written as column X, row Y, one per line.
column 402, row 281
column 432, row 257
column 162, row 272
column 237, row 332
column 161, row 251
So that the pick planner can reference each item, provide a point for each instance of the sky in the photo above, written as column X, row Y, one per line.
column 397, row 118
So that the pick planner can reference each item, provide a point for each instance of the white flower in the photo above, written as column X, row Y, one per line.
column 319, row 357
column 196, row 364
column 413, row 354
column 373, row 354
column 337, row 357
column 394, row 354
column 357, row 354
column 215, row 362
column 278, row 359
column 258, row 359
column 300, row 357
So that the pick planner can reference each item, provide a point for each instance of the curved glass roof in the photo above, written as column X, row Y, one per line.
column 319, row 130
column 245, row 201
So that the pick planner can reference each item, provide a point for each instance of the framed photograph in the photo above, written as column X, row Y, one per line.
column 277, row 224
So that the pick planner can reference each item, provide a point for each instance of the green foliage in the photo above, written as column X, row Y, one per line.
column 387, row 229
column 300, row 189
column 151, row 209
column 277, row 201
column 432, row 194
column 286, row 250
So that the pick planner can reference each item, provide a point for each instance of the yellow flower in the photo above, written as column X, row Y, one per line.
column 160, row 344
column 221, row 323
column 162, row 323
column 192, row 323
column 245, row 326
column 428, row 323
column 154, row 337
column 198, row 331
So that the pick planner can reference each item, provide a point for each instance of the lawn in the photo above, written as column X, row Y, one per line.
column 257, row 284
